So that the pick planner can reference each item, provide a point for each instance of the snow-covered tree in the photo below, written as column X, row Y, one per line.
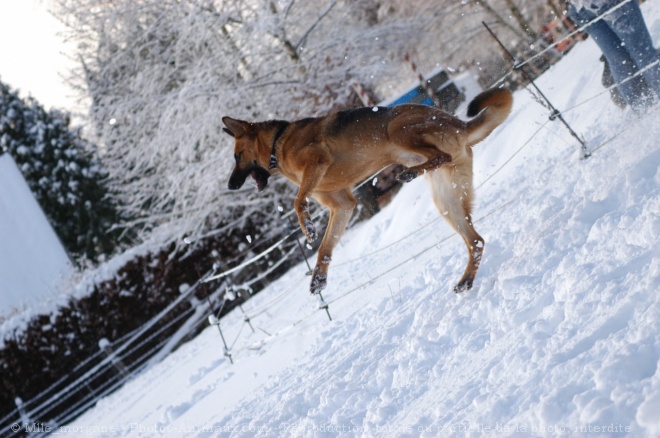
column 59, row 168
column 161, row 74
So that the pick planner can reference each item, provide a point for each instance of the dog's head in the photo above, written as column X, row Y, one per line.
column 246, row 154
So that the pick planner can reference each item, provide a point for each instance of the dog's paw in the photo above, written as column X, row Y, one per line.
column 319, row 282
column 407, row 175
column 310, row 230
column 463, row 285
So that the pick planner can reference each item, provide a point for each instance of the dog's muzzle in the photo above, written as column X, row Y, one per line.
column 258, row 173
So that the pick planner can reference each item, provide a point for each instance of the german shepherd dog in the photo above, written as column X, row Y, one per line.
column 328, row 156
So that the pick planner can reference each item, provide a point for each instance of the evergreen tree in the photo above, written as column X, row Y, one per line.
column 60, row 168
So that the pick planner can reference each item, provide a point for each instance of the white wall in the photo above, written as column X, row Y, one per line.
column 33, row 262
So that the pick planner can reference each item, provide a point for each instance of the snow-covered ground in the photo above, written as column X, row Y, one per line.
column 560, row 335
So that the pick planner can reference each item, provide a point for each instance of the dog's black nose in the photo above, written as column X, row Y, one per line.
column 237, row 179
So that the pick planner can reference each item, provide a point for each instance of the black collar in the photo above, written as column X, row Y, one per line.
column 273, row 157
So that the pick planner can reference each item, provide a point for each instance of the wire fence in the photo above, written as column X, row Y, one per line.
column 75, row 390
column 404, row 239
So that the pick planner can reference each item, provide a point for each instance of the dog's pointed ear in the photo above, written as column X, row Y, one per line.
column 234, row 127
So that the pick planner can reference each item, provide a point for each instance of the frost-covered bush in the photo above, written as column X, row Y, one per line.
column 53, row 350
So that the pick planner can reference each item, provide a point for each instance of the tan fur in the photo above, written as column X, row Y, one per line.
column 328, row 156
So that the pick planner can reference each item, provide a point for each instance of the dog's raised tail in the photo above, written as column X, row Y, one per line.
column 489, row 110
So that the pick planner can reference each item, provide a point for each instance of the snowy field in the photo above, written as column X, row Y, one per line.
column 560, row 335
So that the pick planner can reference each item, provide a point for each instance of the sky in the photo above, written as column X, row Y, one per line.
column 32, row 58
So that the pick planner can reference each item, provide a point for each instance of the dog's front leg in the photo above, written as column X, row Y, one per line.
column 341, row 204
column 306, row 224
column 311, row 178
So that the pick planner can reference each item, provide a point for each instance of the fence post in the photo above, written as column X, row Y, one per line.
column 246, row 318
column 302, row 251
column 25, row 419
column 364, row 97
column 423, row 82
column 215, row 321
column 106, row 347
column 323, row 305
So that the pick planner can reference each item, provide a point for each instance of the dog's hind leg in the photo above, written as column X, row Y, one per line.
column 452, row 194
column 432, row 156
column 341, row 204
